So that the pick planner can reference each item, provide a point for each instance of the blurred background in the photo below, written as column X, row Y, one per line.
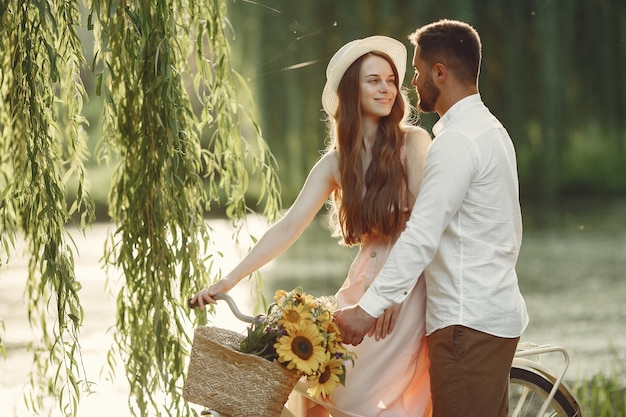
column 552, row 72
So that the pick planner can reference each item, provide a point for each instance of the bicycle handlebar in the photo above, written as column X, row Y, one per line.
column 233, row 307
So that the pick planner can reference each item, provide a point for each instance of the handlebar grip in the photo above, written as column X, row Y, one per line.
column 233, row 307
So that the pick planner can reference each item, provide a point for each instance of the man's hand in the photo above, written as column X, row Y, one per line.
column 353, row 323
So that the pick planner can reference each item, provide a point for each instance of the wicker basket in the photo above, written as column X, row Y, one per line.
column 233, row 383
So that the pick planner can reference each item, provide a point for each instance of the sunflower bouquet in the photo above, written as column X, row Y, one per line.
column 299, row 332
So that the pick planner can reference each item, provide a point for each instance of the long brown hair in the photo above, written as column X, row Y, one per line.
column 356, row 214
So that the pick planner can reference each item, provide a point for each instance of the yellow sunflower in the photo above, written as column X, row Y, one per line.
column 303, row 298
column 327, row 379
column 323, row 319
column 333, row 337
column 294, row 316
column 279, row 294
column 301, row 348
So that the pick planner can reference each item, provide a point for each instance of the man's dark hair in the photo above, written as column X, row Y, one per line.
column 455, row 44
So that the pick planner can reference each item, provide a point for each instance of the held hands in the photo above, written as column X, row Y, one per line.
column 353, row 323
column 206, row 296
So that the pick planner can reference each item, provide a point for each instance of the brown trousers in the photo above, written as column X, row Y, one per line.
column 469, row 372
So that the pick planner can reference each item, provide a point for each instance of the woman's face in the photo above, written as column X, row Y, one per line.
column 377, row 87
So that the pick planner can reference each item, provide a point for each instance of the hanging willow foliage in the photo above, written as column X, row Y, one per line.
column 158, row 195
column 174, row 162
column 43, row 146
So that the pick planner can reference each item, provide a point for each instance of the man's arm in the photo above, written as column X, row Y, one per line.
column 447, row 175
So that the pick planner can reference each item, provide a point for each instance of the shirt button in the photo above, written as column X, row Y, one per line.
column 373, row 254
column 406, row 292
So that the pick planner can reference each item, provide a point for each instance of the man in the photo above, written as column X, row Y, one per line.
column 464, row 233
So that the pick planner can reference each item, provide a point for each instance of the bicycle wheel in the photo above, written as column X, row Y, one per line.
column 528, row 391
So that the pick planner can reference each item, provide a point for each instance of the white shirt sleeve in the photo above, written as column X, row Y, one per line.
column 448, row 171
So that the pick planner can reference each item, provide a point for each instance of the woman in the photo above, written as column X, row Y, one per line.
column 372, row 172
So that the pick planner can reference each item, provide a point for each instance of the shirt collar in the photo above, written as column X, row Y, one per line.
column 456, row 108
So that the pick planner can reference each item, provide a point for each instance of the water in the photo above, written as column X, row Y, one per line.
column 571, row 272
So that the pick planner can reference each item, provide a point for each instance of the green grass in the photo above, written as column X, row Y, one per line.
column 604, row 395
column 601, row 396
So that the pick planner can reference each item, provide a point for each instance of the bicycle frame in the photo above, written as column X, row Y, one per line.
column 527, row 349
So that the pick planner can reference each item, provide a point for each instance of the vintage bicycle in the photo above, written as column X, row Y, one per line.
column 534, row 390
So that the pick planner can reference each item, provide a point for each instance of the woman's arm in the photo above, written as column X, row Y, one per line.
column 318, row 186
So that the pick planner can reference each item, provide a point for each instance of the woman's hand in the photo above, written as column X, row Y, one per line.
column 385, row 323
column 206, row 295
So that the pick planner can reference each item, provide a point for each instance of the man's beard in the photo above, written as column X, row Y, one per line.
column 428, row 97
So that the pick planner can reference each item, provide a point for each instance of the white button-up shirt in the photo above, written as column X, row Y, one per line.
column 465, row 230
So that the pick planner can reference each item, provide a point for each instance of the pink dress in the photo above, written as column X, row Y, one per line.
column 390, row 377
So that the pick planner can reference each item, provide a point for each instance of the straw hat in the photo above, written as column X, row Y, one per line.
column 352, row 51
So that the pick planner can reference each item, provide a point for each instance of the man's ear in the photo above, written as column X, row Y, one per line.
column 440, row 72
